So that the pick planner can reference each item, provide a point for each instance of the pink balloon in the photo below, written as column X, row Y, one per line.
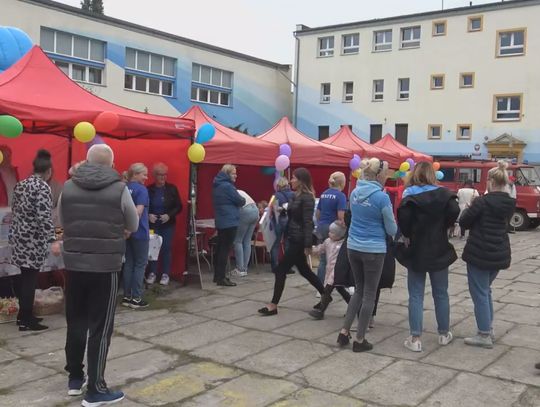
column 282, row 163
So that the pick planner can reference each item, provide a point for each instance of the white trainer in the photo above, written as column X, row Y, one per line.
column 415, row 346
column 446, row 339
column 164, row 280
column 151, row 279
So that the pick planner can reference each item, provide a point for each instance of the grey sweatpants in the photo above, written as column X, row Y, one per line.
column 367, row 270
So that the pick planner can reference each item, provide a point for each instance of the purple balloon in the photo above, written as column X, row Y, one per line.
column 411, row 162
column 354, row 163
column 357, row 157
column 285, row 149
column 282, row 163
column 96, row 140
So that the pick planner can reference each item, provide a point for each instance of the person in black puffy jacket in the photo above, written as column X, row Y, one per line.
column 300, row 236
column 487, row 249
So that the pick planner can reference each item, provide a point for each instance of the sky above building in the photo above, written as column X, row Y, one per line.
column 261, row 28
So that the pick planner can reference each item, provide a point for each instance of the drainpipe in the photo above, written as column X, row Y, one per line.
column 296, row 74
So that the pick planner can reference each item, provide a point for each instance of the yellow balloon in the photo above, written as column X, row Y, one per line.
column 1, row 157
column 404, row 167
column 84, row 132
column 196, row 153
column 357, row 173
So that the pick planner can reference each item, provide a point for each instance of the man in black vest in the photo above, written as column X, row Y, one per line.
column 96, row 210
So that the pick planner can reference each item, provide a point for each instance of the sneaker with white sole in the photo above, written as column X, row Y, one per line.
column 235, row 272
column 138, row 303
column 126, row 301
column 482, row 341
column 102, row 399
column 151, row 279
column 414, row 346
column 492, row 334
column 446, row 339
column 242, row 274
column 76, row 386
column 164, row 280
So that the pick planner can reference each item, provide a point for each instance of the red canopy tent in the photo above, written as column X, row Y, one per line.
column 389, row 143
column 345, row 138
column 50, row 104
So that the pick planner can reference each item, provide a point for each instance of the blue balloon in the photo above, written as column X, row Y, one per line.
column 439, row 175
column 205, row 133
column 14, row 44
column 268, row 170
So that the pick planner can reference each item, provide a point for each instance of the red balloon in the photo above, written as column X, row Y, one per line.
column 106, row 122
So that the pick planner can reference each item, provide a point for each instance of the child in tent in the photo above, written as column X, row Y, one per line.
column 331, row 247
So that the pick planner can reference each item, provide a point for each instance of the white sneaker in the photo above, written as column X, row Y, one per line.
column 415, row 346
column 351, row 290
column 164, row 280
column 482, row 341
column 151, row 279
column 235, row 272
column 242, row 274
column 446, row 339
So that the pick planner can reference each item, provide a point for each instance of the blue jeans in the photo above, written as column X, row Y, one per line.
column 322, row 234
column 249, row 215
column 166, row 231
column 136, row 260
column 281, row 226
column 480, row 289
column 416, row 282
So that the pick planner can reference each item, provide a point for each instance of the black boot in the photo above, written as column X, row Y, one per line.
column 318, row 311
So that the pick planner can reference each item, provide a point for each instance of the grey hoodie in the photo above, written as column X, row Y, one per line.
column 95, row 209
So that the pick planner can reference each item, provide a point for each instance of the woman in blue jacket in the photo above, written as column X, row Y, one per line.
column 227, row 203
column 372, row 219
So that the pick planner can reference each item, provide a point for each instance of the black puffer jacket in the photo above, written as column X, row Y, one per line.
column 488, row 246
column 424, row 218
column 300, row 212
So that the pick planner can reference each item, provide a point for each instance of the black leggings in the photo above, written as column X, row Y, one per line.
column 294, row 255
column 225, row 240
column 25, row 289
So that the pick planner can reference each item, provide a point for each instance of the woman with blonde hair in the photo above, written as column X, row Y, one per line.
column 300, row 235
column 487, row 250
column 137, row 243
column 331, row 207
column 426, row 212
column 372, row 219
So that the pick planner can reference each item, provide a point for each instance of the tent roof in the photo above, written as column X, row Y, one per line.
column 47, row 101
column 389, row 143
column 345, row 138
column 231, row 146
column 306, row 150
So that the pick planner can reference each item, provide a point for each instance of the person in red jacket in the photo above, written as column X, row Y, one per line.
column 398, row 191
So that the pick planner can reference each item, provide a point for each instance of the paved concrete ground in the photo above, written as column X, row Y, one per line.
column 209, row 347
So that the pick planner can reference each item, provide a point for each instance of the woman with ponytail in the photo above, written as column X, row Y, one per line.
column 31, row 232
column 487, row 250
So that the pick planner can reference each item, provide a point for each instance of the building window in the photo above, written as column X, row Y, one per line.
column 326, row 46
column 351, row 43
column 410, row 37
column 324, row 132
column 439, row 28
column 403, row 88
column 211, row 85
column 325, row 93
column 81, row 58
column 475, row 23
column 434, row 131
column 511, row 42
column 463, row 131
column 378, row 90
column 437, row 81
column 382, row 40
column 508, row 107
column 466, row 80
column 348, row 89
column 149, row 73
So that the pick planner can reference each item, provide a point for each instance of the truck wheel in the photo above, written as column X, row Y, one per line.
column 534, row 223
column 520, row 220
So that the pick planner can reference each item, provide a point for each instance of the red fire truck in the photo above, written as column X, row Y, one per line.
column 527, row 182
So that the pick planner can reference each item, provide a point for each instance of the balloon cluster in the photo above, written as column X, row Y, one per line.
column 404, row 168
column 86, row 132
column 354, row 165
column 10, row 126
column 196, row 151
column 438, row 173
column 283, row 161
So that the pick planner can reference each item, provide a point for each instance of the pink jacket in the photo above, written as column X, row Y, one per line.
column 331, row 249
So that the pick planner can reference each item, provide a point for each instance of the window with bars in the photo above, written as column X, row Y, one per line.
column 211, row 85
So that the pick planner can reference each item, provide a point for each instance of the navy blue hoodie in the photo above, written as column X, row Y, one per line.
column 227, row 202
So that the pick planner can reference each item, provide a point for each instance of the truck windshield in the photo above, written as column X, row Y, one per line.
column 527, row 176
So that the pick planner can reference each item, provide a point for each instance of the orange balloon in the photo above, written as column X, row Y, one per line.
column 436, row 166
column 106, row 122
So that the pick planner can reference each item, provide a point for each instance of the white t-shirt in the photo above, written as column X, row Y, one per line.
column 466, row 196
column 249, row 200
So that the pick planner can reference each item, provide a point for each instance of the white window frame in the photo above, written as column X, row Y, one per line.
column 378, row 96
column 327, row 51
column 508, row 110
column 404, row 94
column 382, row 46
column 86, row 72
column 348, row 97
column 353, row 48
column 221, row 95
column 147, row 87
column 213, row 71
column 72, row 54
column 462, row 76
column 459, row 132
column 410, row 42
column 149, row 71
column 325, row 97
column 431, row 127
column 520, row 47
column 432, row 81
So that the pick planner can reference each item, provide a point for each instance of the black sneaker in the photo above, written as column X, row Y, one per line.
column 316, row 314
column 537, row 366
column 136, row 304
column 102, row 399
column 363, row 346
column 226, row 283
column 32, row 326
column 126, row 301
column 75, row 386
column 35, row 319
column 343, row 340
